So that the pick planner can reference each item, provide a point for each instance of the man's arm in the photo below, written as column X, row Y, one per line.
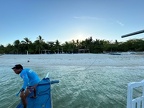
column 25, row 80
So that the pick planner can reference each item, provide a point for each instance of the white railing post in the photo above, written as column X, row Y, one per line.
column 129, row 96
column 135, row 102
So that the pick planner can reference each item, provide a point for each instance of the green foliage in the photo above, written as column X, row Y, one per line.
column 86, row 46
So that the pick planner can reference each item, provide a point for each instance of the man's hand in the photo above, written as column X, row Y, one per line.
column 22, row 90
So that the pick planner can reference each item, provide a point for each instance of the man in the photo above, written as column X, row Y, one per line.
column 30, row 81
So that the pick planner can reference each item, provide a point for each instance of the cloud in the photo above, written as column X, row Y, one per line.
column 115, row 21
column 99, row 19
column 120, row 23
column 86, row 17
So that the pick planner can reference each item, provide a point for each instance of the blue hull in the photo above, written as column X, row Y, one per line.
column 43, row 95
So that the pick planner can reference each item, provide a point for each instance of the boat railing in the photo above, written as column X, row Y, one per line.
column 132, row 101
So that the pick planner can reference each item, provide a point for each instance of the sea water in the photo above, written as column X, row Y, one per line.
column 86, row 80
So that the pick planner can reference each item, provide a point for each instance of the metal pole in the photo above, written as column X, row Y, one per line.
column 134, row 33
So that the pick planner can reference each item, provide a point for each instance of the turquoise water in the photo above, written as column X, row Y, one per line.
column 86, row 80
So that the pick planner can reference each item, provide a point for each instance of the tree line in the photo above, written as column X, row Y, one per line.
column 89, row 45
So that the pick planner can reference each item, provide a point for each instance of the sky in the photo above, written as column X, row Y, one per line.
column 67, row 20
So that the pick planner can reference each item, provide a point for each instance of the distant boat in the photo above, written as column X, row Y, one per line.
column 114, row 53
column 139, row 53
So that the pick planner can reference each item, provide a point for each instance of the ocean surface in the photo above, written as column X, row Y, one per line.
column 86, row 80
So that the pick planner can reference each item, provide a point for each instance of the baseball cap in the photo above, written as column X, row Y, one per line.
column 18, row 66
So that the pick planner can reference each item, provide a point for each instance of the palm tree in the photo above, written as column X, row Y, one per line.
column 39, row 43
column 51, row 46
column 9, row 49
column 16, row 45
column 2, row 48
column 72, row 46
column 26, row 42
column 57, row 45
column 77, row 42
column 40, row 39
